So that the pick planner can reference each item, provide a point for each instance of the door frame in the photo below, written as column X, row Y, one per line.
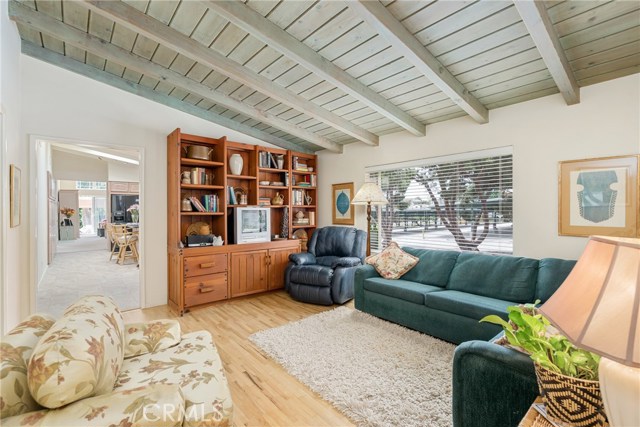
column 33, row 215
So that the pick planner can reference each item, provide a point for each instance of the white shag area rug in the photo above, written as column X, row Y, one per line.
column 375, row 372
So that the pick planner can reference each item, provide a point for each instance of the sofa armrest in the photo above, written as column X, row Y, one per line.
column 152, row 405
column 149, row 337
column 346, row 262
column 492, row 385
column 302, row 258
column 362, row 273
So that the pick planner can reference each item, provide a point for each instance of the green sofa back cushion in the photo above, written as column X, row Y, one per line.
column 433, row 268
column 551, row 274
column 503, row 277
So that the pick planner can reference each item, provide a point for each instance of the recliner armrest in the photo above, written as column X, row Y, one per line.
column 346, row 262
column 302, row 258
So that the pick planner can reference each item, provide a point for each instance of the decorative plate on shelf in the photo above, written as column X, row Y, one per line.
column 278, row 183
column 197, row 227
column 264, row 183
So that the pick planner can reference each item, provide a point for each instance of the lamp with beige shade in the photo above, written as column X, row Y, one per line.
column 597, row 308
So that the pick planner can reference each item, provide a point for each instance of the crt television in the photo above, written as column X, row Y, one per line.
column 252, row 224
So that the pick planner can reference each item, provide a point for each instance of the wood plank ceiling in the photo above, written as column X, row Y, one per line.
column 313, row 75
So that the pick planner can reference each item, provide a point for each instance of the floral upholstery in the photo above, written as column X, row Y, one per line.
column 15, row 350
column 196, row 368
column 392, row 262
column 159, row 405
column 80, row 355
column 149, row 337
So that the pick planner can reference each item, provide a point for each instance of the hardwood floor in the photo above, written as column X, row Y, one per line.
column 263, row 392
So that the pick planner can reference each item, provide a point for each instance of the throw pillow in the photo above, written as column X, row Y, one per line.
column 149, row 337
column 80, row 355
column 393, row 262
column 15, row 350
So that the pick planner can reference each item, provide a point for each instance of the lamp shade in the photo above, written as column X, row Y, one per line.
column 369, row 193
column 597, row 306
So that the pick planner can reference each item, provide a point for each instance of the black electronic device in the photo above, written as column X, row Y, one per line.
column 198, row 240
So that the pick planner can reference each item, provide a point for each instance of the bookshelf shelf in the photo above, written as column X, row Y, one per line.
column 203, row 163
column 195, row 213
column 201, row 187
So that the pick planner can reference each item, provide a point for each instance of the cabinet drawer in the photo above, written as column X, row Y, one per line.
column 205, row 264
column 204, row 289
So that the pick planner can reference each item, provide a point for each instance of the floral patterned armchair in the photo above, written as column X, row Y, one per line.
column 90, row 369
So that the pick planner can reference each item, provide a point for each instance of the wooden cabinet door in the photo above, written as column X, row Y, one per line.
column 278, row 260
column 248, row 272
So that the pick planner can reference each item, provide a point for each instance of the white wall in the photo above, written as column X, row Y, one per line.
column 124, row 172
column 14, row 274
column 73, row 167
column 68, row 107
column 542, row 132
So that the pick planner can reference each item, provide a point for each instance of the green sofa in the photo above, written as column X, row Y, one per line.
column 445, row 295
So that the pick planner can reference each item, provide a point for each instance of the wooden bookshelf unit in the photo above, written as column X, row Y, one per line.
column 201, row 275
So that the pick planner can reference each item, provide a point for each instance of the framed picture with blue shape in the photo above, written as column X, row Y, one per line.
column 599, row 196
column 342, row 211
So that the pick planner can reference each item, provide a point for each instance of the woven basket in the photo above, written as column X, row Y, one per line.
column 571, row 400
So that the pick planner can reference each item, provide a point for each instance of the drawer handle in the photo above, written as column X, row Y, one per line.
column 207, row 264
column 204, row 289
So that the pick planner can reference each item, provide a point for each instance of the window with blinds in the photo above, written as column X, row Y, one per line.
column 462, row 202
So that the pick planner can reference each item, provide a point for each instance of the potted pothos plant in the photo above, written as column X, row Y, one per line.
column 567, row 375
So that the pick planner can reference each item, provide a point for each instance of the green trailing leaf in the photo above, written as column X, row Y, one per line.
column 497, row 320
column 527, row 329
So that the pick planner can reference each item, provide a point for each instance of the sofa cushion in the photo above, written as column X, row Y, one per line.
column 80, row 355
column 433, row 268
column 465, row 304
column 159, row 405
column 194, row 364
column 393, row 262
column 551, row 274
column 15, row 350
column 317, row 275
column 401, row 289
column 503, row 277
column 149, row 337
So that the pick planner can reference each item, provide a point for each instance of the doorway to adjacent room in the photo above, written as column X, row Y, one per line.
column 90, row 188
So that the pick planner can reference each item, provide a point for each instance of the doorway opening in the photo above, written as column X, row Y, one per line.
column 85, row 184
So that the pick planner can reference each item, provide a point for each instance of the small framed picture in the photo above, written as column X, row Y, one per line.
column 15, row 203
column 342, row 211
column 599, row 196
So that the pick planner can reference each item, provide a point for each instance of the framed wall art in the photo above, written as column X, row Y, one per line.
column 15, row 203
column 342, row 211
column 599, row 197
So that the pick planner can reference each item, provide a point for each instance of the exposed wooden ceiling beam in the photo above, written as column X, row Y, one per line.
column 377, row 15
column 155, row 30
column 536, row 19
column 277, row 38
column 72, row 65
column 82, row 40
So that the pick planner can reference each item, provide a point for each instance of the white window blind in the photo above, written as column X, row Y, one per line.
column 462, row 202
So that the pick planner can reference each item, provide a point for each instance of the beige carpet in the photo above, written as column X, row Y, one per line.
column 375, row 372
column 82, row 267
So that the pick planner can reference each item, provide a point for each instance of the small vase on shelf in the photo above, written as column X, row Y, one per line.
column 235, row 164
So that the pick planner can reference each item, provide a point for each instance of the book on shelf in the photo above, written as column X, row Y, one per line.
column 199, row 176
column 303, row 221
column 211, row 202
column 264, row 201
column 232, row 195
column 196, row 204
column 286, row 178
column 274, row 164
